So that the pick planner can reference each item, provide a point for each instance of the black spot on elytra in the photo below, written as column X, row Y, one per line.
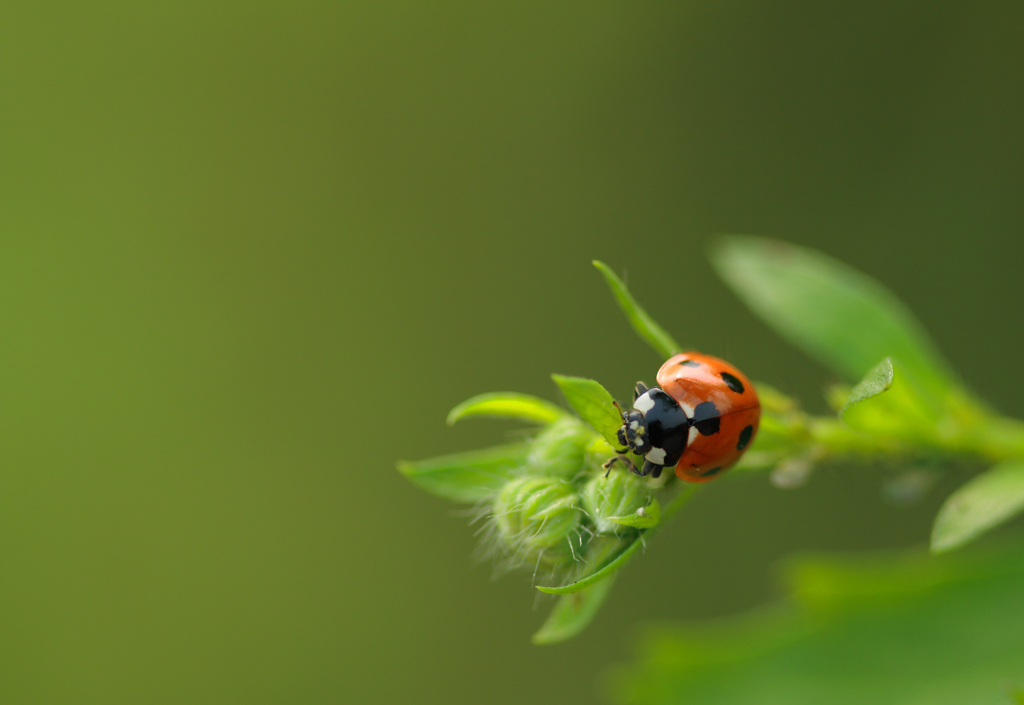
column 745, row 435
column 732, row 383
column 689, row 363
column 705, row 418
column 712, row 472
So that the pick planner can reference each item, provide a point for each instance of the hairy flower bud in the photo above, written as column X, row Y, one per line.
column 539, row 517
column 560, row 449
column 618, row 495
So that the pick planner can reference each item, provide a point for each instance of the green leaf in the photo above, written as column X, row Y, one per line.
column 593, row 403
column 642, row 323
column 985, row 502
column 509, row 405
column 843, row 318
column 907, row 630
column 599, row 447
column 878, row 380
column 644, row 518
column 572, row 613
column 467, row 477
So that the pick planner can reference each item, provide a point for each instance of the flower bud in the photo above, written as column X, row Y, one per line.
column 560, row 449
column 618, row 495
column 539, row 516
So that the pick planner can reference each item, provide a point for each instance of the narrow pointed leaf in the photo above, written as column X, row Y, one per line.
column 888, row 402
column 572, row 613
column 645, row 326
column 467, row 477
column 644, row 518
column 843, row 318
column 878, row 380
column 607, row 570
column 509, row 405
column 593, row 403
column 983, row 503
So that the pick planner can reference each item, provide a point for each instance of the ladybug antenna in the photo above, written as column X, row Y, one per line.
column 621, row 412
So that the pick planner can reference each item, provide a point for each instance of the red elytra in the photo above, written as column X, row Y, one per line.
column 722, row 432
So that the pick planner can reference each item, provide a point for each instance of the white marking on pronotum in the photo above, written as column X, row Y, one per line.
column 688, row 410
column 656, row 456
column 644, row 403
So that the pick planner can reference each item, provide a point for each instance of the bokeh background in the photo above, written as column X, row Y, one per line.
column 252, row 253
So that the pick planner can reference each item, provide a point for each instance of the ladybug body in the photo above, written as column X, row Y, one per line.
column 700, row 421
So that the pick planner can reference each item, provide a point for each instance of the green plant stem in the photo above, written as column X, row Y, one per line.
column 987, row 437
column 995, row 437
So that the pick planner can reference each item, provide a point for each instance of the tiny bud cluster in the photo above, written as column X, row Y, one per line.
column 561, row 499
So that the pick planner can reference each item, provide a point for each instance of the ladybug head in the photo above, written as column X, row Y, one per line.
column 633, row 432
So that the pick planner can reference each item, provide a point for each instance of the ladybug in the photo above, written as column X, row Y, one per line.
column 701, row 420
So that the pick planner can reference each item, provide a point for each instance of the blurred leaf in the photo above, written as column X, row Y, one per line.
column 572, row 613
column 593, row 403
column 843, row 318
column 642, row 323
column 467, row 477
column 644, row 518
column 895, row 631
column 507, row 404
column 878, row 380
column 984, row 502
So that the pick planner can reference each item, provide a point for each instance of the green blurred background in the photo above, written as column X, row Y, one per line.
column 251, row 254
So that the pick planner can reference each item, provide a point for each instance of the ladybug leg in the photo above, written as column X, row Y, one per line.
column 638, row 390
column 652, row 469
column 619, row 458
column 649, row 468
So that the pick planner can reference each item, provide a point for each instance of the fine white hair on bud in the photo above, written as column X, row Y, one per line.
column 559, row 450
column 620, row 494
column 539, row 519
